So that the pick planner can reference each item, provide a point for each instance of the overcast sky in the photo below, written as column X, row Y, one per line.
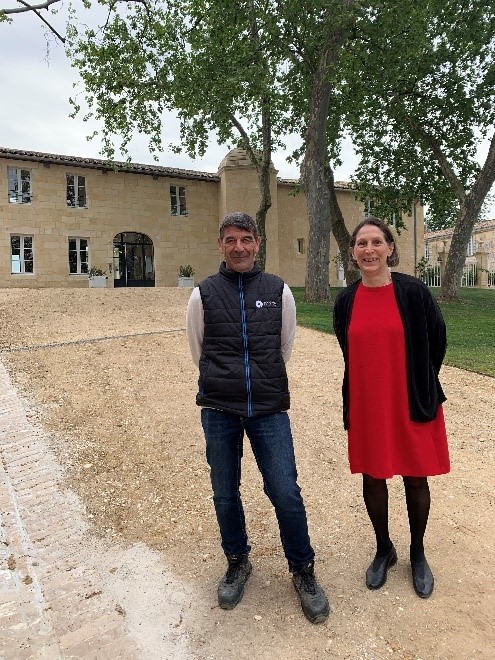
column 36, row 82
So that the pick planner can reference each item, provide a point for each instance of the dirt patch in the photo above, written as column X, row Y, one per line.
column 107, row 374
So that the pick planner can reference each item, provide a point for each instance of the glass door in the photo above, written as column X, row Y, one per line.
column 133, row 260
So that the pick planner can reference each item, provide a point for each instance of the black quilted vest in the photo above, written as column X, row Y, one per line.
column 241, row 369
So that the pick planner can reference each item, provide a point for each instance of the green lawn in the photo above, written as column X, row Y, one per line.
column 470, row 326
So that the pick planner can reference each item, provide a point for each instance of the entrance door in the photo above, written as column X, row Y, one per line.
column 133, row 260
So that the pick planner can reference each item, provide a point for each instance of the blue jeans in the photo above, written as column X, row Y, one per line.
column 271, row 442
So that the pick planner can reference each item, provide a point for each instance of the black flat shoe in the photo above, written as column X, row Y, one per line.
column 423, row 580
column 376, row 575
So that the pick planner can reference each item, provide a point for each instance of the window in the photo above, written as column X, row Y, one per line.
column 394, row 217
column 178, row 200
column 427, row 251
column 76, row 191
column 369, row 207
column 340, row 266
column 19, row 186
column 470, row 247
column 300, row 246
column 78, row 256
column 21, row 251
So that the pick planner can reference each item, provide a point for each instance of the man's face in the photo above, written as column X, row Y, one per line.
column 239, row 249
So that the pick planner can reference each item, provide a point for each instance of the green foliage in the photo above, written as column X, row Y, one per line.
column 470, row 326
column 420, row 86
column 421, row 76
column 96, row 272
column 442, row 214
column 213, row 62
column 422, row 267
column 486, row 213
column 186, row 271
column 414, row 82
column 221, row 65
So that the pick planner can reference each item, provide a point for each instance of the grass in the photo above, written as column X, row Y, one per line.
column 470, row 326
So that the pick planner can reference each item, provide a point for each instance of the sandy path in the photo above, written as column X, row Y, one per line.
column 109, row 380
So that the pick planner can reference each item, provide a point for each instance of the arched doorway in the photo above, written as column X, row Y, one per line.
column 133, row 260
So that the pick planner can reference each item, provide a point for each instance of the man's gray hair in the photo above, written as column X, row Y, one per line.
column 239, row 220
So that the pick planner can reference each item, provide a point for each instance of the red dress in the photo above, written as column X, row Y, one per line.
column 382, row 439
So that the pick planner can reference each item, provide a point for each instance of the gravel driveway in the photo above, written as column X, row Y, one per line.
column 105, row 376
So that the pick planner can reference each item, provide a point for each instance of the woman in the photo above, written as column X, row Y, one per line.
column 393, row 339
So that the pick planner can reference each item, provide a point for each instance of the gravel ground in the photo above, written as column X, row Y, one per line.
column 107, row 375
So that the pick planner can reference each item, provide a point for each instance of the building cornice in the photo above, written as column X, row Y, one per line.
column 106, row 165
column 131, row 168
column 484, row 225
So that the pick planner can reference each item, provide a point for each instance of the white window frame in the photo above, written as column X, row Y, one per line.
column 17, row 195
column 178, row 202
column 79, row 184
column 21, row 268
column 470, row 247
column 394, row 218
column 81, row 264
column 369, row 207
column 340, row 272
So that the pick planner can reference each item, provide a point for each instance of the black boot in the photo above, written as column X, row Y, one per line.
column 231, row 588
column 313, row 599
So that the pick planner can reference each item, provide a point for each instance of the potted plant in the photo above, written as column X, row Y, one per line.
column 97, row 278
column 186, row 276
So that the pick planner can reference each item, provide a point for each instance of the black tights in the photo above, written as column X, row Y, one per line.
column 375, row 494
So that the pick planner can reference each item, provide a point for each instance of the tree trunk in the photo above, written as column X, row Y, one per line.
column 263, row 170
column 340, row 232
column 313, row 178
column 313, row 174
column 451, row 280
column 318, row 204
column 263, row 167
column 265, row 203
column 470, row 208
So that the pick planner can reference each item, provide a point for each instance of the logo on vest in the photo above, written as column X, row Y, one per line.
column 265, row 303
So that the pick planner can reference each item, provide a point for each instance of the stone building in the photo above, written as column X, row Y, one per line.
column 62, row 215
column 480, row 256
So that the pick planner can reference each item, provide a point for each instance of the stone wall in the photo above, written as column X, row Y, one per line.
column 137, row 199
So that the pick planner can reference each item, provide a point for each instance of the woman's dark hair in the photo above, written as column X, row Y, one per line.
column 393, row 259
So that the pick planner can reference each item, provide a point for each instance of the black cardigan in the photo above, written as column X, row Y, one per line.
column 425, row 336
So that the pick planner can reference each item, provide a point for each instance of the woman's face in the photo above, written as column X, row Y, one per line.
column 371, row 251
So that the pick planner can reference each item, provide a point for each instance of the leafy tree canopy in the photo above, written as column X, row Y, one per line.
column 421, row 80
column 421, row 91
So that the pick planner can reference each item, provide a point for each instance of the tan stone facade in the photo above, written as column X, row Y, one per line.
column 480, row 253
column 61, row 215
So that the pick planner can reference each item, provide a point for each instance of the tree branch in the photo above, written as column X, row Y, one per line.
column 486, row 175
column 245, row 141
column 34, row 8
column 26, row 7
column 434, row 145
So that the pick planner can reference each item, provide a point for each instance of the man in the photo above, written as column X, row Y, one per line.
column 241, row 324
